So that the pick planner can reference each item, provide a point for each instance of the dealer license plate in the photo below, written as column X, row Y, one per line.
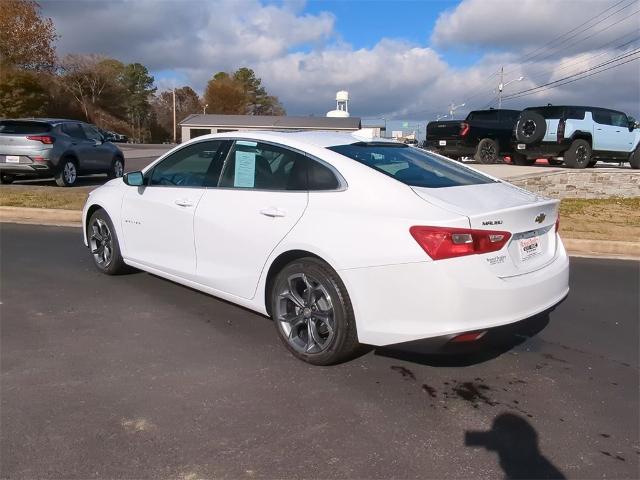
column 529, row 248
column 442, row 143
column 12, row 159
column 521, row 146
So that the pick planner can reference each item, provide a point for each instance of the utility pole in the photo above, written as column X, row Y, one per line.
column 175, row 139
column 500, row 87
column 204, row 109
column 453, row 107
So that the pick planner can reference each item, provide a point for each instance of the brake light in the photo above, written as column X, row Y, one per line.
column 445, row 242
column 561, row 127
column 464, row 129
column 46, row 139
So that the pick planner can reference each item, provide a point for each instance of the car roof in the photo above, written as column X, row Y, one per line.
column 316, row 138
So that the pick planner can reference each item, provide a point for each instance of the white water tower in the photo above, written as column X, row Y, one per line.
column 342, row 105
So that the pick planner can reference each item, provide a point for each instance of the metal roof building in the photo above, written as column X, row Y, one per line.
column 198, row 124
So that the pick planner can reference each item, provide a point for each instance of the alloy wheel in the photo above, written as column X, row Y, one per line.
column 528, row 128
column 488, row 152
column 70, row 173
column 101, row 242
column 305, row 312
column 581, row 154
column 118, row 169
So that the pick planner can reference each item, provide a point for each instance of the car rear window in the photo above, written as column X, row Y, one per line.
column 17, row 127
column 548, row 112
column 411, row 166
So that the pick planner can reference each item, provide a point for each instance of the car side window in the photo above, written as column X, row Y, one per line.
column 320, row 177
column 255, row 165
column 74, row 130
column 619, row 120
column 196, row 165
column 602, row 117
column 575, row 113
column 91, row 133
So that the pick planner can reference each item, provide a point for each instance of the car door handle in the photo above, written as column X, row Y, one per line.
column 184, row 202
column 273, row 212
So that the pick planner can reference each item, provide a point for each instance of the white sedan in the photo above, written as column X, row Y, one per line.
column 342, row 239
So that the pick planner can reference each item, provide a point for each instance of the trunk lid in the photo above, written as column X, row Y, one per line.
column 14, row 141
column 500, row 206
column 444, row 130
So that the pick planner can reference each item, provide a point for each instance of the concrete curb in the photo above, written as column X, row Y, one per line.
column 73, row 218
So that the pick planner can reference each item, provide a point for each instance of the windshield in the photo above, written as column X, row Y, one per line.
column 412, row 166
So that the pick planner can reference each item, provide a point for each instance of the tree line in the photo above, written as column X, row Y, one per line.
column 115, row 96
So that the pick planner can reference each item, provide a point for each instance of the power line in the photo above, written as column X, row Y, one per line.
column 619, row 57
column 533, row 53
column 574, row 80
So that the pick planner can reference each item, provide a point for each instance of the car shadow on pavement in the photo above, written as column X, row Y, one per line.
column 89, row 181
column 496, row 342
column 516, row 443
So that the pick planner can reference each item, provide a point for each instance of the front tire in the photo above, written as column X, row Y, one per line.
column 67, row 175
column 312, row 313
column 634, row 159
column 117, row 168
column 488, row 151
column 103, row 244
column 6, row 179
column 578, row 155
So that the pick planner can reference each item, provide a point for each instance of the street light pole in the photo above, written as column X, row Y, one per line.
column 204, row 109
column 453, row 107
column 501, row 85
column 175, row 138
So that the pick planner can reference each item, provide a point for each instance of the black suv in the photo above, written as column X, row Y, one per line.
column 485, row 134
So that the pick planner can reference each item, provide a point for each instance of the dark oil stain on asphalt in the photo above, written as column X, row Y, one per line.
column 472, row 393
column 549, row 356
column 405, row 372
column 430, row 390
column 605, row 435
column 617, row 457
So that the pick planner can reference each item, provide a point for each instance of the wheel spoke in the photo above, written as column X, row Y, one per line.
column 292, row 319
column 313, row 338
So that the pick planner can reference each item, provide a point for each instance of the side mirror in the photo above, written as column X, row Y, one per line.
column 133, row 179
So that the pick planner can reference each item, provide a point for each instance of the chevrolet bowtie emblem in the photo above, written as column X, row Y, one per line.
column 540, row 218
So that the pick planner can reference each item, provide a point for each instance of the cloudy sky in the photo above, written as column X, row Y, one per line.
column 398, row 59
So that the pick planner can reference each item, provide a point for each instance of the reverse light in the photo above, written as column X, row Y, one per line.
column 445, row 242
column 464, row 129
column 46, row 139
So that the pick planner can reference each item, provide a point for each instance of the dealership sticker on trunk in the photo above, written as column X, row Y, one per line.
column 442, row 143
column 529, row 248
column 12, row 159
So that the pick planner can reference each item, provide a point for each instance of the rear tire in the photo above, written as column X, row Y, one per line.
column 578, row 155
column 634, row 159
column 104, row 246
column 488, row 151
column 592, row 164
column 67, row 175
column 522, row 160
column 6, row 179
column 117, row 168
column 312, row 312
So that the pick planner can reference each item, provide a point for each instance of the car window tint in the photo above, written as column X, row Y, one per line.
column 320, row 177
column 412, row 166
column 91, row 133
column 619, row 119
column 265, row 167
column 18, row 127
column 574, row 113
column 548, row 112
column 74, row 130
column 488, row 116
column 603, row 117
column 196, row 165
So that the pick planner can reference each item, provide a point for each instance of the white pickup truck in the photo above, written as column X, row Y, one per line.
column 577, row 136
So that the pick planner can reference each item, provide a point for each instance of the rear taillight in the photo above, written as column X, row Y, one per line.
column 561, row 126
column 558, row 224
column 46, row 139
column 464, row 129
column 445, row 242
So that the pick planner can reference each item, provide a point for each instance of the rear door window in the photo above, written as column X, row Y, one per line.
column 549, row 112
column 262, row 166
column 74, row 130
column 23, row 128
column 411, row 166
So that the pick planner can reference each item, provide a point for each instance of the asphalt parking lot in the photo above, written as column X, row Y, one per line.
column 137, row 377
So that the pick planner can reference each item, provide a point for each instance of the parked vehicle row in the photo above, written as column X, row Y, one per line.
column 574, row 135
column 63, row 149
column 340, row 239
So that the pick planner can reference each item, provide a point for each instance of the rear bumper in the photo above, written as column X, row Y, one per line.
column 402, row 303
column 26, row 169
column 453, row 148
column 543, row 150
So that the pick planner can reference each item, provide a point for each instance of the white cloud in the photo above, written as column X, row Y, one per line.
column 300, row 58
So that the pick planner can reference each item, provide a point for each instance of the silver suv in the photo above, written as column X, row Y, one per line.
column 63, row 149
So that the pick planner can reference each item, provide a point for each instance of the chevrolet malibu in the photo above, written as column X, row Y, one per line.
column 341, row 238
